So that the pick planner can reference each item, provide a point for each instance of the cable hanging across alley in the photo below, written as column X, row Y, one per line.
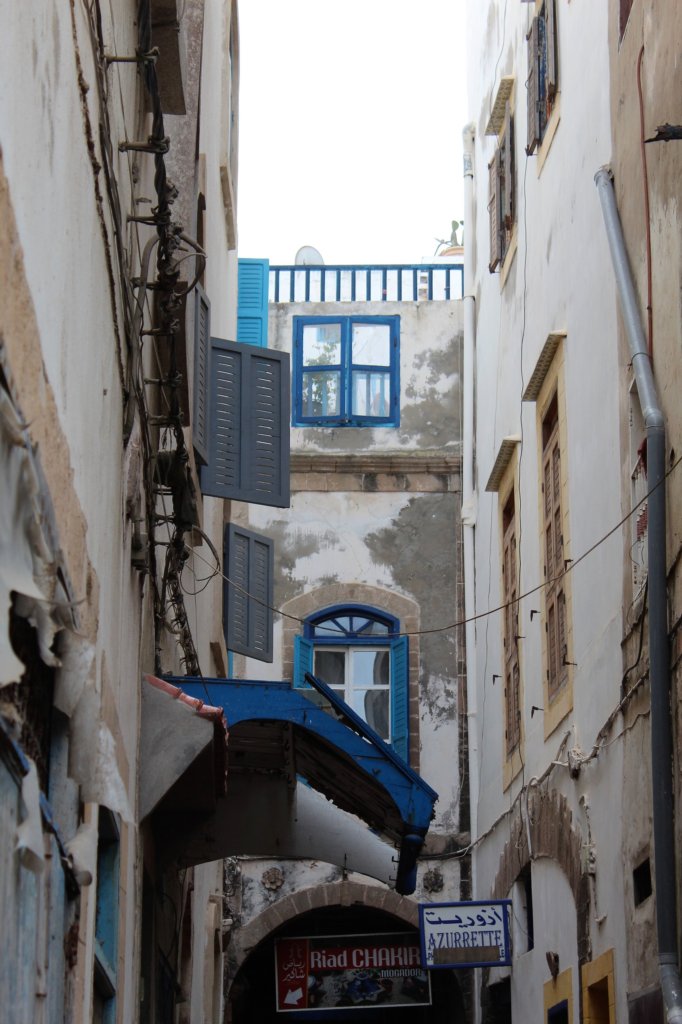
column 479, row 615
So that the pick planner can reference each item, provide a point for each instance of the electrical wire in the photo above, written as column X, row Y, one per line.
column 569, row 568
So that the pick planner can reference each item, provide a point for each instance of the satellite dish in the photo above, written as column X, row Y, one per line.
column 308, row 256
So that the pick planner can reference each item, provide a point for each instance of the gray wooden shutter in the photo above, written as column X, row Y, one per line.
column 509, row 183
column 494, row 211
column 551, row 44
column 248, row 593
column 248, row 457
column 202, row 351
column 533, row 87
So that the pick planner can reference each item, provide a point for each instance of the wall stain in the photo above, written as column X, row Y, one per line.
column 420, row 547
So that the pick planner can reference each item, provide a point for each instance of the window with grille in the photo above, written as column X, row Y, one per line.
column 555, row 599
column 542, row 82
column 510, row 595
column 346, row 371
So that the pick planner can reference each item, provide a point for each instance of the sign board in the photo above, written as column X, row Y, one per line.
column 473, row 934
column 351, row 971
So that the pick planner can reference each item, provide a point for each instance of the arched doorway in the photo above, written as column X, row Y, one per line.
column 252, row 996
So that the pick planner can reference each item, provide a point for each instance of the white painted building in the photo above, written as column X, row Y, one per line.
column 100, row 502
column 558, row 667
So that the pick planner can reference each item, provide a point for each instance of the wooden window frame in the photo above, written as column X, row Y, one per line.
column 510, row 594
column 512, row 666
column 554, row 549
column 553, row 552
column 502, row 194
column 542, row 82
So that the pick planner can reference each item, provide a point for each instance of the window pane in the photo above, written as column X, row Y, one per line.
column 375, row 711
column 370, row 627
column 337, row 626
column 370, row 668
column 322, row 345
column 371, row 345
column 371, row 393
column 320, row 394
column 330, row 667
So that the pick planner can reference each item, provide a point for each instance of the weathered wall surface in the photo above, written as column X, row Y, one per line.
column 374, row 520
column 430, row 369
column 556, row 280
column 648, row 53
column 65, row 270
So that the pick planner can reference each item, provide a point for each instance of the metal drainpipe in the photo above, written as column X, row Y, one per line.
column 659, row 675
column 468, row 492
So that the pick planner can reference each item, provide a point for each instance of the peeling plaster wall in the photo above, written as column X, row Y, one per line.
column 430, row 377
column 655, row 31
column 375, row 519
column 61, row 339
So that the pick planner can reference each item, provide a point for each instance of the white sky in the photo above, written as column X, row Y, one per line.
column 350, row 128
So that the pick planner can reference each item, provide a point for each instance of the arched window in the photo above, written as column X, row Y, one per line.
column 359, row 653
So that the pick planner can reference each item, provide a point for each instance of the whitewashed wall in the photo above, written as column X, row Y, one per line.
column 559, row 280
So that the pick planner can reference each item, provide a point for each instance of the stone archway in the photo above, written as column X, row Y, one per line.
column 329, row 909
column 553, row 834
column 343, row 894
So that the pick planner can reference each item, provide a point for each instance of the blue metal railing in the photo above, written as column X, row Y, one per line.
column 392, row 282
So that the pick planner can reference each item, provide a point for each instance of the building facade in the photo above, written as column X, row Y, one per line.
column 117, row 198
column 569, row 671
column 367, row 590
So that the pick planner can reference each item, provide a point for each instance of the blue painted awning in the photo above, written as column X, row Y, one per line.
column 276, row 729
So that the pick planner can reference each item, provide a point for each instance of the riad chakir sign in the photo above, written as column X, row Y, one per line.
column 351, row 971
column 473, row 934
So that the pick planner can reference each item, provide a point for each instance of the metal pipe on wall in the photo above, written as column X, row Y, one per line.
column 468, row 491
column 659, row 673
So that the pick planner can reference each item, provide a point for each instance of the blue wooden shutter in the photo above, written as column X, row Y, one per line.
column 248, row 457
column 252, row 303
column 400, row 697
column 202, row 352
column 303, row 661
column 248, row 593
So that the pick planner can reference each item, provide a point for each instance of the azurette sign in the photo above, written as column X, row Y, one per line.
column 472, row 934
column 352, row 971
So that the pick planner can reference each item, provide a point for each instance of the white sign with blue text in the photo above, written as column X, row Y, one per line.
column 472, row 934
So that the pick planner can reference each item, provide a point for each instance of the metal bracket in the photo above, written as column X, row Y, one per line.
column 142, row 58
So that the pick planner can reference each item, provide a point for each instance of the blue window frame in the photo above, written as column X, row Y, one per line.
column 359, row 653
column 346, row 371
column 106, row 918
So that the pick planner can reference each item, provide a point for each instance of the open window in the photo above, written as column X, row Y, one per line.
column 359, row 653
